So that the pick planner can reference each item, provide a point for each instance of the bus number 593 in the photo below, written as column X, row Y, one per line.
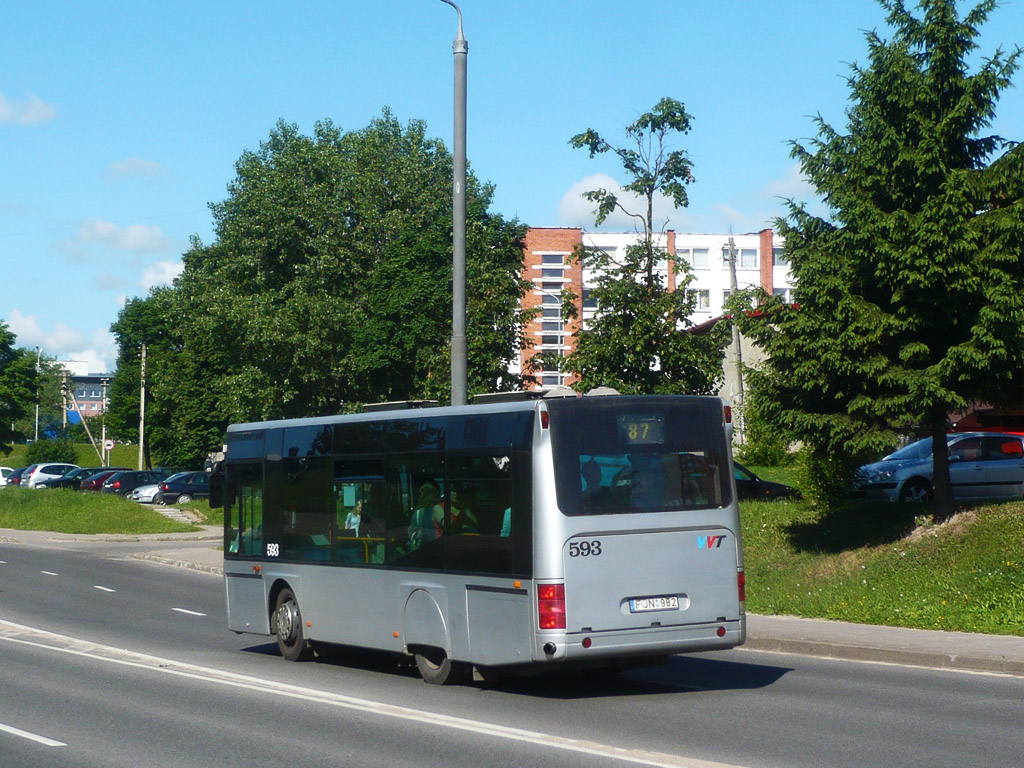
column 585, row 548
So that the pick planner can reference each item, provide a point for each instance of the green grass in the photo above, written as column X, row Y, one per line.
column 121, row 456
column 64, row 511
column 878, row 564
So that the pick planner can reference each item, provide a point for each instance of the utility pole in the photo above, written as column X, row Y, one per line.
column 103, row 415
column 39, row 353
column 142, row 410
column 736, row 342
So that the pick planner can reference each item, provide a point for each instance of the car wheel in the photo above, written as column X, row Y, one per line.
column 291, row 639
column 916, row 489
column 183, row 499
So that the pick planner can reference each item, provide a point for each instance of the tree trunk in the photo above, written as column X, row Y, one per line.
column 942, row 489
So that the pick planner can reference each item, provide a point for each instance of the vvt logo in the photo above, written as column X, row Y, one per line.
column 710, row 542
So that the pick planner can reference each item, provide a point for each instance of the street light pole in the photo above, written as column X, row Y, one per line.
column 460, row 49
column 39, row 353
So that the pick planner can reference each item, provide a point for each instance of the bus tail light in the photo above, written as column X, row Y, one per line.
column 551, row 606
column 728, row 414
column 741, row 585
column 545, row 420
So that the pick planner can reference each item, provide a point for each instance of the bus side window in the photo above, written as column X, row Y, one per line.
column 415, row 513
column 480, row 517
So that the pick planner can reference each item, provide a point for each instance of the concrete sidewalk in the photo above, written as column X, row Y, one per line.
column 781, row 634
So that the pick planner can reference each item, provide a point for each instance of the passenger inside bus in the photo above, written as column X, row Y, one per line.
column 428, row 518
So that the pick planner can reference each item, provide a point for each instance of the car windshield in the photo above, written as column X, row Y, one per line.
column 922, row 449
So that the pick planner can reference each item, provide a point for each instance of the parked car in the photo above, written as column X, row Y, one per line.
column 14, row 478
column 183, row 487
column 750, row 486
column 46, row 471
column 981, row 465
column 73, row 479
column 145, row 494
column 4, row 472
column 95, row 482
column 123, row 483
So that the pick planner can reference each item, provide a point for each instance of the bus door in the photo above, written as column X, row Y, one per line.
column 243, row 510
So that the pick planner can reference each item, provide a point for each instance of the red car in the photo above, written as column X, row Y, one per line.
column 95, row 482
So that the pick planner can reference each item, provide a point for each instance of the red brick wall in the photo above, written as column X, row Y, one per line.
column 767, row 272
column 550, row 240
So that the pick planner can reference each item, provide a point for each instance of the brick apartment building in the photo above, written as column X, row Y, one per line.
column 548, row 264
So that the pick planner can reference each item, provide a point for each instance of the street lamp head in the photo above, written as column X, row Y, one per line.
column 459, row 38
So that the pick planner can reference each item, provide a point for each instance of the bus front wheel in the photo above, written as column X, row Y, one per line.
column 291, row 640
column 436, row 668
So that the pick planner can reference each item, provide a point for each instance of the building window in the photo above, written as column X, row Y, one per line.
column 551, row 299
column 779, row 258
column 551, row 326
column 551, row 340
column 551, row 286
column 725, row 296
column 703, row 297
column 748, row 258
column 784, row 293
column 552, row 258
column 699, row 258
column 552, row 312
column 589, row 302
column 549, row 272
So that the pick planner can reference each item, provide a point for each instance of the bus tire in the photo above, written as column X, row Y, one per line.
column 437, row 669
column 291, row 640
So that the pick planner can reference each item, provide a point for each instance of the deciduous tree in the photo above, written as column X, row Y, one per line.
column 637, row 340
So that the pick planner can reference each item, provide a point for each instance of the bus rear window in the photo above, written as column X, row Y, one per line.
column 619, row 455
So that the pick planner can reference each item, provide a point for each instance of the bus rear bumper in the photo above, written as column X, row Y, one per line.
column 643, row 642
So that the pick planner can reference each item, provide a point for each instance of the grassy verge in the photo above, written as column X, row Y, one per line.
column 66, row 511
column 884, row 564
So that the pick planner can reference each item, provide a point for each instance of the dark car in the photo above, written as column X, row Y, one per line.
column 95, row 482
column 123, row 483
column 183, row 487
column 14, row 479
column 73, row 479
column 751, row 487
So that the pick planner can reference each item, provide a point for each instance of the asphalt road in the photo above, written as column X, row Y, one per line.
column 128, row 662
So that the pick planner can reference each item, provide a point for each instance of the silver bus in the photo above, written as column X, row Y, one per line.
column 512, row 536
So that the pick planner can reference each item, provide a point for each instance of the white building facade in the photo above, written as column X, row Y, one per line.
column 548, row 264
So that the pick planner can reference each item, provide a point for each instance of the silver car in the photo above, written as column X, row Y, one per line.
column 981, row 465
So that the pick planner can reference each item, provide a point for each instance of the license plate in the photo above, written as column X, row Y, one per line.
column 644, row 604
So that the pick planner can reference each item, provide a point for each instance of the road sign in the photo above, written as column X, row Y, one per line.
column 108, row 445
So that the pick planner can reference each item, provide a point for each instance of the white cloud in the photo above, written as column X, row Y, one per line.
column 576, row 211
column 64, row 343
column 137, row 238
column 109, row 282
column 792, row 186
column 29, row 112
column 160, row 273
column 135, row 167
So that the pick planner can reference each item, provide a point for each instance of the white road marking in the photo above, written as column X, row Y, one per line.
column 190, row 613
column 103, row 589
column 31, row 736
column 48, row 573
column 22, row 635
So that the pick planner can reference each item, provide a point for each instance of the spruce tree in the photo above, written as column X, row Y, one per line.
column 909, row 299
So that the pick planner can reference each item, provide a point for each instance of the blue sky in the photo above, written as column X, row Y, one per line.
column 121, row 122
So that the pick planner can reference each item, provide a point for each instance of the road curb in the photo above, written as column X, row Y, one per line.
column 904, row 656
column 179, row 562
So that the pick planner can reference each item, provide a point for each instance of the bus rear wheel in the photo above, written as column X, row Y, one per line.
column 291, row 640
column 437, row 669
